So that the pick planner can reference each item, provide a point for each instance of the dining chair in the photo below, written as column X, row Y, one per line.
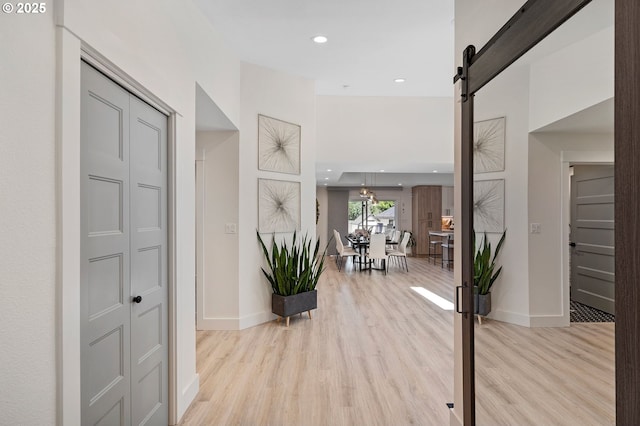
column 343, row 251
column 377, row 250
column 401, row 252
column 394, row 239
column 435, row 241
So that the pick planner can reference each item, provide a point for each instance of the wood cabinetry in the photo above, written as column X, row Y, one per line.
column 447, row 201
column 426, row 215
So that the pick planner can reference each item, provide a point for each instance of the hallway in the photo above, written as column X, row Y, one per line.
column 378, row 353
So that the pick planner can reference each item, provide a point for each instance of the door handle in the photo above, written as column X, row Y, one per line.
column 572, row 244
column 137, row 299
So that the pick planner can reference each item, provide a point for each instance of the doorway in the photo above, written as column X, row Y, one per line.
column 592, row 260
column 124, row 254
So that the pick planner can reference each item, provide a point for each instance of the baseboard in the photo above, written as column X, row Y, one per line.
column 530, row 321
column 511, row 318
column 256, row 319
column 549, row 321
column 235, row 323
column 188, row 396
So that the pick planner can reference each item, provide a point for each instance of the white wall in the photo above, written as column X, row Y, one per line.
column 507, row 96
column 162, row 50
column 291, row 99
column 405, row 130
column 544, row 201
column 550, row 155
column 161, row 54
column 322, row 227
column 181, row 49
column 166, row 54
column 572, row 79
column 218, row 251
column 28, row 212
column 404, row 209
column 166, row 45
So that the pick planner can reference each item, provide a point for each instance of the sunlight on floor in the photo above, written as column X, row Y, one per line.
column 434, row 298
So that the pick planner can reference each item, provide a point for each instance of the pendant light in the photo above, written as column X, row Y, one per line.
column 364, row 191
column 368, row 193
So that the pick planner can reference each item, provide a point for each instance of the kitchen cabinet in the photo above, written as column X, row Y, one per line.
column 447, row 201
column 426, row 215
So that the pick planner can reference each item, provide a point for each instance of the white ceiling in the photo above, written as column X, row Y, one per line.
column 384, row 179
column 595, row 119
column 371, row 42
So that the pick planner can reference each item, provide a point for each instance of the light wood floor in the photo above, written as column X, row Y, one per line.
column 377, row 353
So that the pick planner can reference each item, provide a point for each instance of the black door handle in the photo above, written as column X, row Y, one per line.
column 572, row 244
column 137, row 299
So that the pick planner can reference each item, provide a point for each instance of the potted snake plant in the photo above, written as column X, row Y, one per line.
column 485, row 274
column 293, row 272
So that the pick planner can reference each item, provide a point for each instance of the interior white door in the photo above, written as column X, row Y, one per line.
column 124, row 256
column 148, row 265
column 592, row 237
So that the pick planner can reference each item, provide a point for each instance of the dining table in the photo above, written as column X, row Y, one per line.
column 361, row 244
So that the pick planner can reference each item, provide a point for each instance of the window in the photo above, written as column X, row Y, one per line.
column 378, row 218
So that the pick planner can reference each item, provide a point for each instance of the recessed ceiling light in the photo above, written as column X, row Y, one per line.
column 381, row 171
column 362, row 184
column 320, row 39
column 399, row 184
column 326, row 178
column 399, row 80
column 326, row 184
column 435, row 171
column 328, row 170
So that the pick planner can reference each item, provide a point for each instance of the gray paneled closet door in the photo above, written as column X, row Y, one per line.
column 148, row 264
column 124, row 256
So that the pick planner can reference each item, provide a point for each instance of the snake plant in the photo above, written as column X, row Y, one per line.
column 293, row 269
column 484, row 264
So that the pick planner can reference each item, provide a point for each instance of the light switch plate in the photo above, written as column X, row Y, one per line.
column 535, row 228
column 230, row 228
